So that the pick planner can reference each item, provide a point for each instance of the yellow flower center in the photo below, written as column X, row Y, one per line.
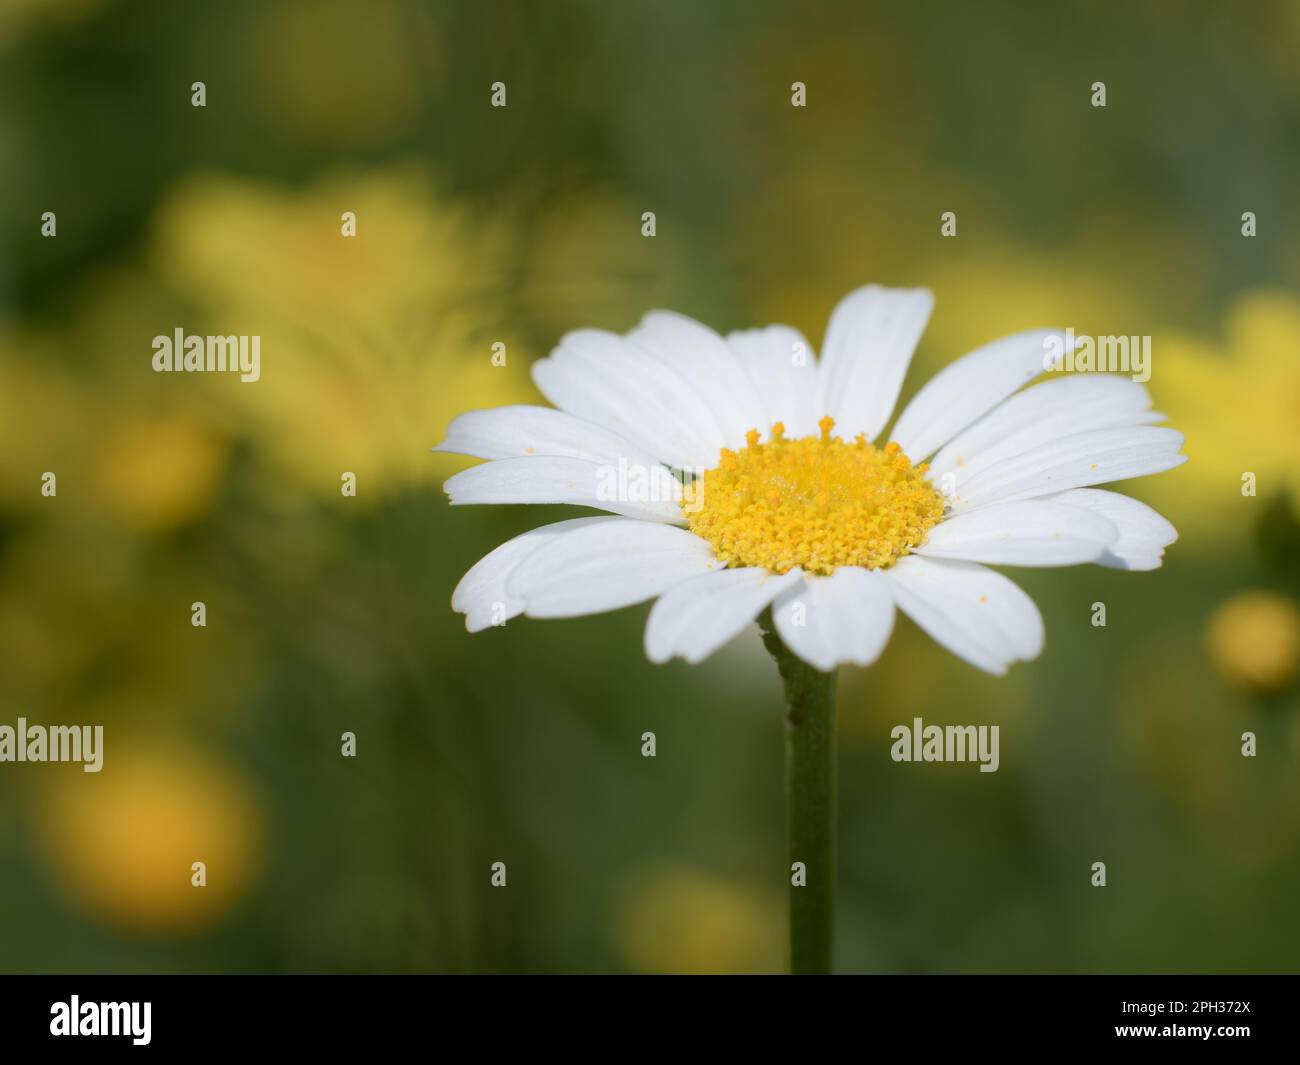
column 815, row 502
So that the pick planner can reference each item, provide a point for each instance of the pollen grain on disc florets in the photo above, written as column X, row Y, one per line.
column 816, row 502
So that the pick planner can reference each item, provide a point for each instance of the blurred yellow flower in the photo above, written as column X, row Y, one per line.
column 994, row 288
column 686, row 921
column 1240, row 409
column 1253, row 641
column 370, row 344
column 122, row 843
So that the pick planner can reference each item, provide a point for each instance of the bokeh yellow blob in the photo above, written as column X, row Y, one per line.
column 121, row 843
column 687, row 921
column 1253, row 641
column 158, row 473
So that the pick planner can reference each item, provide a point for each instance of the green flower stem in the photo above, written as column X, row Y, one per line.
column 810, row 803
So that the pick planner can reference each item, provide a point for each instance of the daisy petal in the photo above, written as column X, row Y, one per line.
column 784, row 370
column 1076, row 461
column 845, row 617
column 603, row 378
column 1028, row 533
column 1044, row 413
column 698, row 616
column 653, row 494
column 703, row 358
column 481, row 593
column 869, row 343
column 968, row 388
column 1143, row 534
column 520, row 431
column 976, row 613
column 607, row 566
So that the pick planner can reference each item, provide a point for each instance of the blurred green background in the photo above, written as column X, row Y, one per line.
column 475, row 225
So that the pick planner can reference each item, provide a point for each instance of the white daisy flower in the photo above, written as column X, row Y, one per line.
column 741, row 473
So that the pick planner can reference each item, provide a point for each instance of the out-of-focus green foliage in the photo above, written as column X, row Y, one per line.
column 329, row 614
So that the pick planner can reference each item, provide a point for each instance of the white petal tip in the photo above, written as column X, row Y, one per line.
column 1144, row 564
